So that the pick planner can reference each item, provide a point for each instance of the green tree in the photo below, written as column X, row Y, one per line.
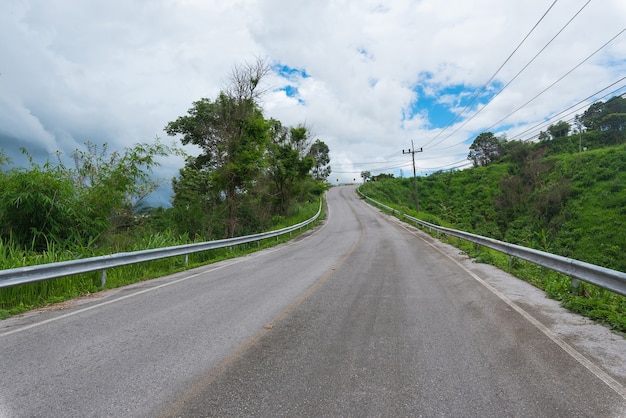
column 288, row 163
column 543, row 136
column 486, row 149
column 614, row 123
column 382, row 176
column 194, row 206
column 616, row 104
column 320, row 153
column 559, row 129
column 594, row 117
column 37, row 206
column 517, row 152
column 53, row 204
column 232, row 134
column 3, row 158
column 112, row 184
column 366, row 175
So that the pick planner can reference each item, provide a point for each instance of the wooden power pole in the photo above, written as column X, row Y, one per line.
column 412, row 151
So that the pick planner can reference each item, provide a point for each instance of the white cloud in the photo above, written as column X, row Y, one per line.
column 118, row 71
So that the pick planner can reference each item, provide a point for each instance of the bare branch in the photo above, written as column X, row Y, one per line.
column 245, row 80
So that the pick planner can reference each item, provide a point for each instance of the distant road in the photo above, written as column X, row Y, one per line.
column 361, row 317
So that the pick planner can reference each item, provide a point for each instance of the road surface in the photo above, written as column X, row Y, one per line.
column 362, row 316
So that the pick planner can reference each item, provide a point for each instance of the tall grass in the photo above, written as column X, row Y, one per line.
column 17, row 299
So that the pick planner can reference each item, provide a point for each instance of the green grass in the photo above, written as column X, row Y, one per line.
column 549, row 197
column 588, row 300
column 18, row 299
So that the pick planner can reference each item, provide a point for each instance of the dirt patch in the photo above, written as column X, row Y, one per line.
column 68, row 303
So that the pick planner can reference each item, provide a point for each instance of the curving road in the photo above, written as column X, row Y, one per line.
column 361, row 317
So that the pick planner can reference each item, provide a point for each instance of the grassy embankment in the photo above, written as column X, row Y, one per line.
column 18, row 299
column 567, row 203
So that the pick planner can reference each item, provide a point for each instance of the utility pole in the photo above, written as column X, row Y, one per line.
column 412, row 151
column 579, row 125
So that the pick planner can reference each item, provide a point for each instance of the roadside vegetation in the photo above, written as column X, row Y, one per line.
column 564, row 194
column 251, row 175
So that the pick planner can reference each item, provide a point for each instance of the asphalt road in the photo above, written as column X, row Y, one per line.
column 360, row 317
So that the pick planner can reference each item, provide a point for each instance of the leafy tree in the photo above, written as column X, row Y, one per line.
column 615, row 123
column 320, row 153
column 194, row 205
column 113, row 184
column 232, row 134
column 616, row 104
column 559, row 129
column 53, row 204
column 543, row 136
column 3, row 158
column 37, row 206
column 486, row 149
column 366, row 175
column 594, row 117
column 382, row 176
column 516, row 152
column 287, row 162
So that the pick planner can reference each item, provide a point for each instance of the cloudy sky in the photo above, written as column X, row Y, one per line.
column 367, row 77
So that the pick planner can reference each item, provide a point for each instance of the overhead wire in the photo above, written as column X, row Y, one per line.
column 583, row 104
column 374, row 169
column 514, row 77
column 477, row 94
column 525, row 135
column 557, row 81
column 519, row 108
column 520, row 136
column 544, row 90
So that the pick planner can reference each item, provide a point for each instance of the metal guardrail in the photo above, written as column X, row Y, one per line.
column 606, row 278
column 22, row 275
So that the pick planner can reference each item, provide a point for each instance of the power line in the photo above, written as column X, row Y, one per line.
column 413, row 151
column 493, row 76
column 516, row 75
column 518, row 136
column 584, row 105
column 544, row 90
column 561, row 78
column 373, row 168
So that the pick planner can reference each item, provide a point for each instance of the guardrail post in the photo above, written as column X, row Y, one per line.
column 186, row 259
column 511, row 260
column 575, row 283
column 103, row 278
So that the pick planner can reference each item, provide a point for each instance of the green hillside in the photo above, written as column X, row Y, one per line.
column 568, row 204
column 564, row 194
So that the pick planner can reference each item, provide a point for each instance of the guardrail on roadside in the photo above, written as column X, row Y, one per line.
column 22, row 275
column 606, row 278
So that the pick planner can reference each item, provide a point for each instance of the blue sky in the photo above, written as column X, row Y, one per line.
column 292, row 77
column 442, row 106
column 366, row 77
